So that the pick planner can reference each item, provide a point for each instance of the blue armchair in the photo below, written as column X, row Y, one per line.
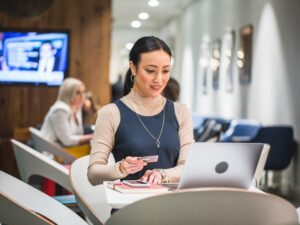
column 241, row 130
column 283, row 145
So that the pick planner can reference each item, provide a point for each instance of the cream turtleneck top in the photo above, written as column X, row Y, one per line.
column 106, row 126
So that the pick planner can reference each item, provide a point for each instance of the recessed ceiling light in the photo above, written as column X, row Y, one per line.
column 153, row 3
column 143, row 15
column 128, row 46
column 136, row 24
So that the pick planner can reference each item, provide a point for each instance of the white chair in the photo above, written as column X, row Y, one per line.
column 208, row 206
column 31, row 162
column 91, row 199
column 24, row 215
column 22, row 204
column 41, row 144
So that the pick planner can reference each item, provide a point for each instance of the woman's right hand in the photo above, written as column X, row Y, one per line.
column 131, row 165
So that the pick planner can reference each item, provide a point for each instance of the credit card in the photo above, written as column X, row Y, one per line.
column 149, row 158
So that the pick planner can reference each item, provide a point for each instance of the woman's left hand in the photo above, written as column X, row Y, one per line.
column 152, row 176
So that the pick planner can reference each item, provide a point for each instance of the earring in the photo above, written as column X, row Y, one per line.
column 132, row 78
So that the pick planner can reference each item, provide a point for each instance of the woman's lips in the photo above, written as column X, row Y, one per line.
column 156, row 87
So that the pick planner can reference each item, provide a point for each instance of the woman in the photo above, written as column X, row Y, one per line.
column 142, row 123
column 63, row 122
column 90, row 109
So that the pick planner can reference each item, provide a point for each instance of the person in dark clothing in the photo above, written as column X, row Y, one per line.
column 172, row 90
column 117, row 89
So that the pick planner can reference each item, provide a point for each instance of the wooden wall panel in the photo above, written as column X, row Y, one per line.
column 89, row 23
column 7, row 159
column 23, row 106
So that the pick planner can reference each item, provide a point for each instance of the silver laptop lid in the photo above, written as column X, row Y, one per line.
column 220, row 165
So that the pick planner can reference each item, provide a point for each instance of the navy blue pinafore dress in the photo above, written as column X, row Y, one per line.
column 132, row 139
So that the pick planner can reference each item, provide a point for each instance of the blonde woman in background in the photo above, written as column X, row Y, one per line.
column 63, row 122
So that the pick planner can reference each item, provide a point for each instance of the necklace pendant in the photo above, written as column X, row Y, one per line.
column 158, row 144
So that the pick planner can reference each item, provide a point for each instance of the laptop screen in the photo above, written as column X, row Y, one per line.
column 221, row 165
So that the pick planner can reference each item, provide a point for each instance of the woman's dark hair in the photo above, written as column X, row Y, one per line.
column 143, row 45
column 172, row 90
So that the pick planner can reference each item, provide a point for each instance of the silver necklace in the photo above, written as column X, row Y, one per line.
column 157, row 139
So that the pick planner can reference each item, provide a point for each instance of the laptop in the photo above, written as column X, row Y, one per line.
column 223, row 165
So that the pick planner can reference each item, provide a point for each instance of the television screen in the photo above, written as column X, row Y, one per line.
column 33, row 57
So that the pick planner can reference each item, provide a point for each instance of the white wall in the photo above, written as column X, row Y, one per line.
column 272, row 95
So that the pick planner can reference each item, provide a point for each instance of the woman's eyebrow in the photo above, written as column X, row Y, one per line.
column 156, row 66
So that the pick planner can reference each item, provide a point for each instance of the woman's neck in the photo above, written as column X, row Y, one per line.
column 139, row 99
column 145, row 105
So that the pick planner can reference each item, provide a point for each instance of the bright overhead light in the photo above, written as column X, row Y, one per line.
column 143, row 15
column 128, row 46
column 136, row 24
column 153, row 3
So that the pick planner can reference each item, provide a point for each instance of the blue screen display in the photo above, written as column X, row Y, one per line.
column 33, row 57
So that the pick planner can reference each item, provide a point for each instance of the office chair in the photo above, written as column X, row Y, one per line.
column 41, row 144
column 206, row 128
column 226, row 206
column 283, row 147
column 31, row 162
column 210, row 131
column 22, row 204
column 241, row 130
column 91, row 199
column 8, row 206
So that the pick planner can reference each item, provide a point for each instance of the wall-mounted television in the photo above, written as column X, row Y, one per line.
column 33, row 57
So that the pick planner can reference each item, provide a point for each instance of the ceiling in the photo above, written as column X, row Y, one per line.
column 125, row 11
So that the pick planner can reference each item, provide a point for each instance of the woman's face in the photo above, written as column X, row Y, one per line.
column 79, row 97
column 152, row 73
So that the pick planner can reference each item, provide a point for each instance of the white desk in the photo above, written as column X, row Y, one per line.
column 118, row 200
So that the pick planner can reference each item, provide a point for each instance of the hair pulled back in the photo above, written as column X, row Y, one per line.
column 143, row 45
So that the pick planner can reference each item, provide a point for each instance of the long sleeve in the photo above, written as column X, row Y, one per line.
column 102, row 144
column 60, row 127
column 59, row 121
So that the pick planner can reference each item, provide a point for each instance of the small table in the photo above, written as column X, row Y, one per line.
column 118, row 200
